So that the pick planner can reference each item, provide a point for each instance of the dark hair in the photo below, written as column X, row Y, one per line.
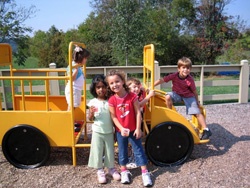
column 80, row 54
column 119, row 73
column 98, row 78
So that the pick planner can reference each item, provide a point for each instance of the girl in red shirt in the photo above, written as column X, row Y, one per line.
column 125, row 113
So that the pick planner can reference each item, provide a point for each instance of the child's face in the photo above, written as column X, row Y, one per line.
column 101, row 90
column 184, row 71
column 115, row 83
column 135, row 88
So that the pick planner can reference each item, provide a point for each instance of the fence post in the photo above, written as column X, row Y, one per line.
column 3, row 104
column 54, row 84
column 244, row 82
column 157, row 74
column 201, row 98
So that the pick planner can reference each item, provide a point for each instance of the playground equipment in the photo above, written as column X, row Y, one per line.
column 38, row 121
column 170, row 136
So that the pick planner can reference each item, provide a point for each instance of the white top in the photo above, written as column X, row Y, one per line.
column 102, row 120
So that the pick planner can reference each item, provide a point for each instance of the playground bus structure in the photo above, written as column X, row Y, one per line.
column 38, row 122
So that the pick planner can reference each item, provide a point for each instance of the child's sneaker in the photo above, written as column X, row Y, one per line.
column 206, row 134
column 101, row 176
column 125, row 177
column 131, row 163
column 116, row 176
column 147, row 182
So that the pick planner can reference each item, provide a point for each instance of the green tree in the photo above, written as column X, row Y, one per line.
column 212, row 29
column 167, row 25
column 12, row 28
column 95, row 33
column 128, row 32
column 237, row 50
column 48, row 47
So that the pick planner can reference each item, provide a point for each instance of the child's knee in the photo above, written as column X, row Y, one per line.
column 168, row 98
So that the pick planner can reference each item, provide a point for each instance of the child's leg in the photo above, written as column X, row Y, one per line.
column 110, row 157
column 109, row 150
column 96, row 151
column 169, row 101
column 201, row 120
column 172, row 97
column 95, row 157
column 193, row 109
column 123, row 157
column 123, row 150
column 141, row 160
column 139, row 154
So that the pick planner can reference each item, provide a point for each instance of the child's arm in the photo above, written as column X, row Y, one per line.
column 137, row 132
column 146, row 99
column 75, row 72
column 114, row 118
column 157, row 82
column 91, row 113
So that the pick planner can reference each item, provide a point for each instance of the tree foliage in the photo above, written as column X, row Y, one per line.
column 48, row 47
column 128, row 32
column 116, row 31
column 211, row 30
column 13, row 29
column 95, row 33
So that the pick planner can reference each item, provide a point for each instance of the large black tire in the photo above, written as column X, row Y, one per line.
column 169, row 144
column 25, row 147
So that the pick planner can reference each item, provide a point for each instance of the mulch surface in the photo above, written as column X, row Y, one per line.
column 223, row 162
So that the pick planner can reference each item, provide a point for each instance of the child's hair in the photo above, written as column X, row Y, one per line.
column 184, row 61
column 98, row 78
column 133, row 80
column 119, row 73
column 79, row 54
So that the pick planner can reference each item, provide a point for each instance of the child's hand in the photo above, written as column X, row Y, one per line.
column 151, row 93
column 92, row 109
column 125, row 132
column 137, row 133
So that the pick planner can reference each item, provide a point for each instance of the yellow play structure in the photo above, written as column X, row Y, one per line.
column 38, row 121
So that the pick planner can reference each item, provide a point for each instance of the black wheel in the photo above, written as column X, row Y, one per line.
column 169, row 144
column 25, row 147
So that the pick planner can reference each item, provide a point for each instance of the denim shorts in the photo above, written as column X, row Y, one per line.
column 138, row 150
column 190, row 103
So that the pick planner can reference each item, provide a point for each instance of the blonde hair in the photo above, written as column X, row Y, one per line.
column 184, row 61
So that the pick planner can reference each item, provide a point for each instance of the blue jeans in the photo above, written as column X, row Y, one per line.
column 140, row 156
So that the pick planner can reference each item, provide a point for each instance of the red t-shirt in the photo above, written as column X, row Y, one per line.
column 124, row 110
column 182, row 86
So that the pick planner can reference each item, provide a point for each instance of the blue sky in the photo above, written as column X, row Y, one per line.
column 68, row 14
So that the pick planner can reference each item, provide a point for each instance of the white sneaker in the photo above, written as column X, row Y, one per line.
column 147, row 182
column 101, row 177
column 116, row 176
column 125, row 177
column 131, row 165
